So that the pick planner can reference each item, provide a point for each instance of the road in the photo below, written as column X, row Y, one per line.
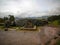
column 25, row 37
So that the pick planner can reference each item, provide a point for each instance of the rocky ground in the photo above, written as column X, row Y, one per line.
column 44, row 36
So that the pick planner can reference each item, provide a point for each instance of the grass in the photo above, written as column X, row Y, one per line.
column 17, row 28
column 58, row 42
column 1, row 27
column 54, row 23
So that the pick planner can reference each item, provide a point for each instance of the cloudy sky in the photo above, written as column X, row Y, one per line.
column 29, row 8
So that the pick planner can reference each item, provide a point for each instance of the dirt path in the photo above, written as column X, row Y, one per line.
column 19, row 38
column 27, row 37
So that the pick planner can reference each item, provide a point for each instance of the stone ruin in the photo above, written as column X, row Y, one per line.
column 29, row 25
column 7, row 25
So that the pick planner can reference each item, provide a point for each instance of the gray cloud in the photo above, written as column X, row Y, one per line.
column 26, row 8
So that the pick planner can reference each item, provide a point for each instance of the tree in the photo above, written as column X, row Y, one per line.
column 54, row 17
column 1, row 20
column 5, row 18
column 11, row 18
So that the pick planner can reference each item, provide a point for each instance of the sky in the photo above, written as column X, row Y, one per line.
column 29, row 8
